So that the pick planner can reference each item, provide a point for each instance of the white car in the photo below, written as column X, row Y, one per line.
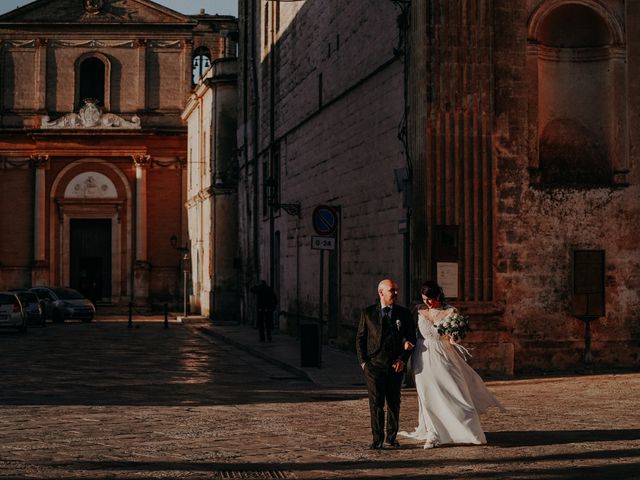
column 11, row 312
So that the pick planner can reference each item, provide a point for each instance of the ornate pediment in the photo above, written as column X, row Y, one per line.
column 93, row 11
column 91, row 116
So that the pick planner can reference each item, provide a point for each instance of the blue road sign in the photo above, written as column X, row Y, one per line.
column 325, row 220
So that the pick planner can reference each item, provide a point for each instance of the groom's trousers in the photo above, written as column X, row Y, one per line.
column 383, row 385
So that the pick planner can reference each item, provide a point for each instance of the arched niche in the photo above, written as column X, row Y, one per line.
column 577, row 95
column 93, row 79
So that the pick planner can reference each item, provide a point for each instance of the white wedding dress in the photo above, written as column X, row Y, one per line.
column 450, row 393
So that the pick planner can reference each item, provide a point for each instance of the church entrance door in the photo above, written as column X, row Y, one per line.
column 90, row 258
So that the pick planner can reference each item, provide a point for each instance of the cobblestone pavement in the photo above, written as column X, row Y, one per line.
column 101, row 401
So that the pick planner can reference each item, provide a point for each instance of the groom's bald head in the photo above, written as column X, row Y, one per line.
column 388, row 291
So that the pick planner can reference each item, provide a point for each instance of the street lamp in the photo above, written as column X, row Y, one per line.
column 184, row 251
column 271, row 190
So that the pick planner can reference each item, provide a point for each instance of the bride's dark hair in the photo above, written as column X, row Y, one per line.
column 431, row 289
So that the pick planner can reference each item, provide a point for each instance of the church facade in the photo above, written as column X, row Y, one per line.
column 92, row 147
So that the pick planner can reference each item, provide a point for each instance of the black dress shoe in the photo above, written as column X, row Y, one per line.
column 375, row 446
column 393, row 443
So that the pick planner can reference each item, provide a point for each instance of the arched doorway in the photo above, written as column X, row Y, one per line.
column 90, row 230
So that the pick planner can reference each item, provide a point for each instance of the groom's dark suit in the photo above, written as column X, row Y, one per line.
column 379, row 344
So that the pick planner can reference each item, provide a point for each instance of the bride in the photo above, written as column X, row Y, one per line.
column 450, row 393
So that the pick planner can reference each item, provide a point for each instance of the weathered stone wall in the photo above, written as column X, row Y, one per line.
column 345, row 157
column 338, row 103
column 492, row 97
column 538, row 226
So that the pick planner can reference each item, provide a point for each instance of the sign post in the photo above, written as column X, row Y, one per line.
column 325, row 223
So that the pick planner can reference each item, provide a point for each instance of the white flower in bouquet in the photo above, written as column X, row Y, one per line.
column 454, row 325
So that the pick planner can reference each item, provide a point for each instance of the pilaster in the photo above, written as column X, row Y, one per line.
column 141, row 45
column 141, row 265
column 41, row 75
column 40, row 269
column 186, row 60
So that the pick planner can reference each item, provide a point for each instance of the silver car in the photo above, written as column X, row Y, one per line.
column 11, row 312
column 61, row 303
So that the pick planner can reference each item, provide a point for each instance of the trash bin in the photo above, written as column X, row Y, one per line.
column 309, row 345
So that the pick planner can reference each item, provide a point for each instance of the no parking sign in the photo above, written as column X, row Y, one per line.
column 325, row 220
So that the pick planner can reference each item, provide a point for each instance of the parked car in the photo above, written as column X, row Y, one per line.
column 11, row 312
column 31, row 306
column 62, row 303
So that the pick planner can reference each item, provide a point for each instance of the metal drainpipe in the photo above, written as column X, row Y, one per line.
column 256, row 141
column 245, row 153
column 272, row 139
column 217, row 171
column 404, row 48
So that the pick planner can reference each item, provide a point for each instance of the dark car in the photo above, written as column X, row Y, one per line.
column 31, row 306
column 11, row 312
column 62, row 303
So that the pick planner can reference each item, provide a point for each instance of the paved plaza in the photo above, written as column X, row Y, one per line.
column 103, row 401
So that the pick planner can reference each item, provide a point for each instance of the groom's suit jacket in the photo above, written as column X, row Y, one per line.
column 382, row 343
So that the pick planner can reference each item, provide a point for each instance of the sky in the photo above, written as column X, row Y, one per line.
column 222, row 7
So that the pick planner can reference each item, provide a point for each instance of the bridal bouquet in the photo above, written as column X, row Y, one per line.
column 454, row 325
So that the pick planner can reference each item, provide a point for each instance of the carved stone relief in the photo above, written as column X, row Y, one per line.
column 93, row 7
column 91, row 185
column 91, row 116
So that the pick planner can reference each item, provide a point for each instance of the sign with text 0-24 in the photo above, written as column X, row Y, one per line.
column 325, row 220
column 323, row 243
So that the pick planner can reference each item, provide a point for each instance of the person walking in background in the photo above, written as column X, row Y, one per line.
column 266, row 301
column 386, row 334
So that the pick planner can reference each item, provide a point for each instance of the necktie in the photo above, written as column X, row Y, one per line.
column 386, row 318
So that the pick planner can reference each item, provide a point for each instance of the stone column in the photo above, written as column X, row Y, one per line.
column 141, row 265
column 417, row 125
column 40, row 270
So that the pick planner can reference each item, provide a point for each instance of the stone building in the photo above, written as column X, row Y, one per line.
column 521, row 157
column 321, row 105
column 92, row 146
column 523, row 141
column 212, row 199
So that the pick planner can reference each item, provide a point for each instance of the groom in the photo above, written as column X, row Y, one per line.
column 384, row 330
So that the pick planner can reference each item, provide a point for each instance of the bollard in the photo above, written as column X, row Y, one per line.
column 130, row 324
column 166, row 316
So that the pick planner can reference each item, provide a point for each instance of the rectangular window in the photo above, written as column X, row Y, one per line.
column 588, row 283
column 446, row 256
column 275, row 174
column 266, row 188
column 266, row 25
